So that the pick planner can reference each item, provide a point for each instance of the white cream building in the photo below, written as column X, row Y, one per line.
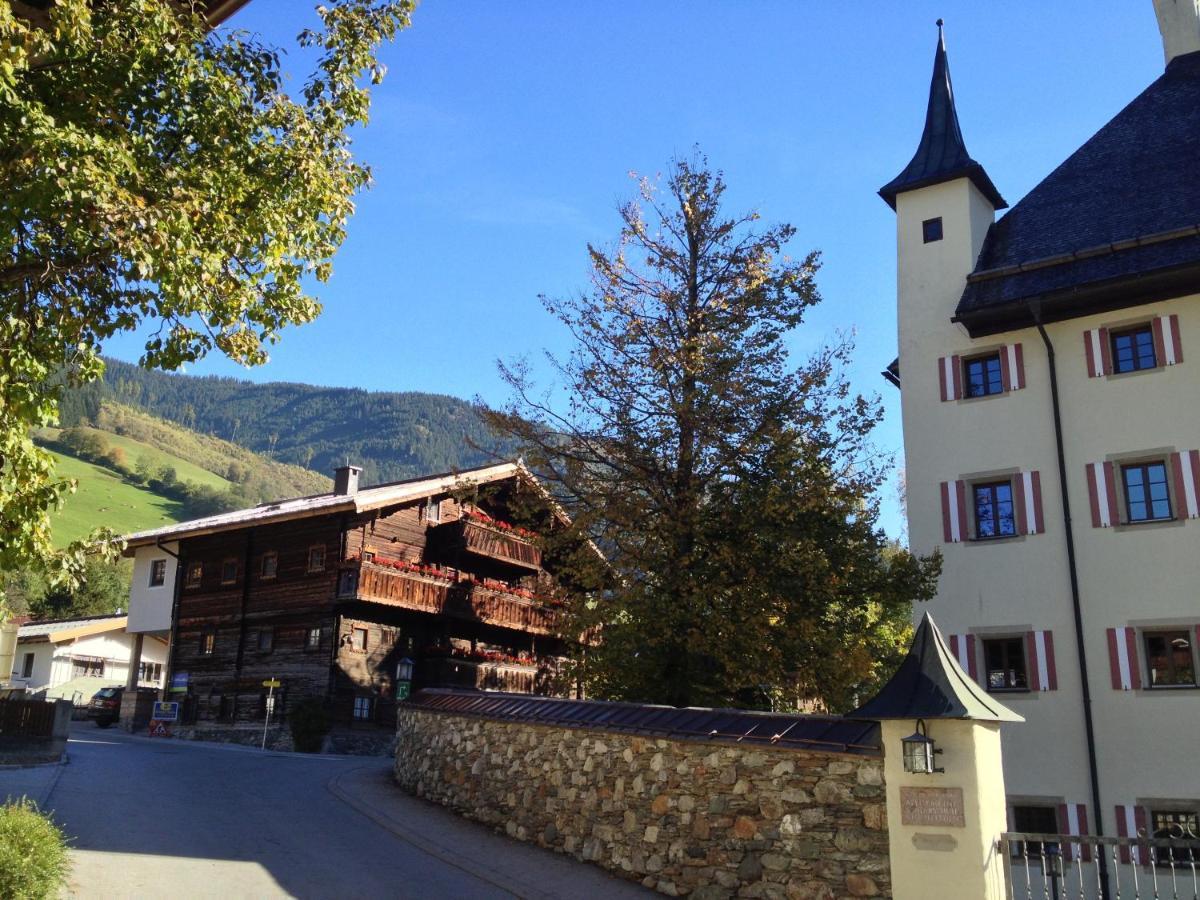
column 71, row 656
column 1050, row 368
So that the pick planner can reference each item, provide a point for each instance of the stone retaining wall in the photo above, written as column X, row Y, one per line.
column 706, row 819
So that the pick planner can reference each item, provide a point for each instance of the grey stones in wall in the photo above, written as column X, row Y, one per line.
column 708, row 820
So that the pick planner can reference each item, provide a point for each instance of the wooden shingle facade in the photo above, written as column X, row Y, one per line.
column 328, row 594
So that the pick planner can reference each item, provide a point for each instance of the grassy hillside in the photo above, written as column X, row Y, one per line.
column 135, row 450
column 103, row 498
column 121, row 463
column 209, row 454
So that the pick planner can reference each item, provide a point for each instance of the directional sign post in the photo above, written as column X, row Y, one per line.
column 270, row 684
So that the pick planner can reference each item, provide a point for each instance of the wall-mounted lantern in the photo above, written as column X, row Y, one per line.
column 404, row 670
column 919, row 752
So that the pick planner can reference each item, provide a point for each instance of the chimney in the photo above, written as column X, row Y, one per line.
column 345, row 480
column 1179, row 22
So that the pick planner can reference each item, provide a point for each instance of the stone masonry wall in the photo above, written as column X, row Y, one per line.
column 705, row 819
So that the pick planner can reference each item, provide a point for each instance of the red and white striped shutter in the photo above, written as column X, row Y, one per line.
column 1099, row 354
column 1029, row 503
column 963, row 648
column 1072, row 819
column 1167, row 348
column 1186, row 468
column 1039, row 650
column 1102, row 492
column 950, row 377
column 1012, row 367
column 1131, row 823
column 954, row 511
column 1123, row 658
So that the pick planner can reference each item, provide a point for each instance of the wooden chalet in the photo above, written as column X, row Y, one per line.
column 329, row 593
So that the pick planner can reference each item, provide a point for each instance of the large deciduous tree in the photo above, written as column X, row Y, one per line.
column 734, row 490
column 157, row 173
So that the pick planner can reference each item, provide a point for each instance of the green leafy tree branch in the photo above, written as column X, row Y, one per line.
column 158, row 174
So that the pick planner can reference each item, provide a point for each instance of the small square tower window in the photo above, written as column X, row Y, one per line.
column 158, row 573
column 931, row 230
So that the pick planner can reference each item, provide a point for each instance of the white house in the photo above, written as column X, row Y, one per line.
column 82, row 655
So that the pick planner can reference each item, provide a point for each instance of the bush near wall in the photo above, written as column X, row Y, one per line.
column 705, row 819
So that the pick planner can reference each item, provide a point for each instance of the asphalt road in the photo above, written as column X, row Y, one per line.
column 154, row 818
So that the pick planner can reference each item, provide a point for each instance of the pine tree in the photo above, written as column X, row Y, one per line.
column 732, row 490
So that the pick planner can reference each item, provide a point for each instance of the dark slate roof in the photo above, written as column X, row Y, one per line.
column 823, row 733
column 941, row 155
column 930, row 684
column 1115, row 225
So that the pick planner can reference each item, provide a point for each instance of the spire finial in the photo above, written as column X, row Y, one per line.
column 941, row 155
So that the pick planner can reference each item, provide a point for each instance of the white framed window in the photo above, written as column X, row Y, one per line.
column 362, row 708
column 316, row 558
column 158, row 572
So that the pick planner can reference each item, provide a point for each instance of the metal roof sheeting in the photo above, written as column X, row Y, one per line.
column 364, row 500
column 930, row 684
column 795, row 732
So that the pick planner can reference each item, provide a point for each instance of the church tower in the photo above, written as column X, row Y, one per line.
column 944, row 202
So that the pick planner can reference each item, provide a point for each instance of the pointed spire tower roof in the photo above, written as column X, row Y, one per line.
column 941, row 155
column 930, row 684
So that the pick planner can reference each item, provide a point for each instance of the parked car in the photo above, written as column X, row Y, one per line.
column 105, row 706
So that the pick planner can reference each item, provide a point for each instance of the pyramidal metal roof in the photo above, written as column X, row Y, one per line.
column 942, row 154
column 930, row 684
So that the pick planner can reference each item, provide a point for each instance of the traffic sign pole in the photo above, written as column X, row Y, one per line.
column 270, row 685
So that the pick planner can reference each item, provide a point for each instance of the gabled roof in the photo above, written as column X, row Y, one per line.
column 1117, row 224
column 930, row 684
column 941, row 155
column 364, row 500
column 69, row 629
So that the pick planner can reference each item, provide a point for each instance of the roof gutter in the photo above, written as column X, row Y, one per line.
column 1035, row 313
column 1082, row 300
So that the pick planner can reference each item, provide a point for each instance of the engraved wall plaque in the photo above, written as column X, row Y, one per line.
column 932, row 806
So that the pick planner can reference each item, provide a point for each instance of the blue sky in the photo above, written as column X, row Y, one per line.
column 502, row 140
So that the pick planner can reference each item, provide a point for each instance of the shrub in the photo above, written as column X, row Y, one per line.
column 33, row 852
column 309, row 722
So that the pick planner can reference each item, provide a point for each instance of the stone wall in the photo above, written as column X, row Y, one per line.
column 707, row 819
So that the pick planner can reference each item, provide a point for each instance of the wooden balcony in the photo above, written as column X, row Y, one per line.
column 485, row 676
column 375, row 583
column 481, row 539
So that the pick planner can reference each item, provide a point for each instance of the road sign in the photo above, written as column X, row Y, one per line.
column 272, row 683
column 158, row 729
column 166, row 711
column 179, row 682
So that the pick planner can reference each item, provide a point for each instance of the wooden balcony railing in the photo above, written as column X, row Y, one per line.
column 485, row 676
column 483, row 540
column 462, row 600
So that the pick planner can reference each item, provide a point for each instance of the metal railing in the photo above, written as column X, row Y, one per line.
column 1082, row 867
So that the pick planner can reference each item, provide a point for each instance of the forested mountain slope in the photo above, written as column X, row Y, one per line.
column 393, row 435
